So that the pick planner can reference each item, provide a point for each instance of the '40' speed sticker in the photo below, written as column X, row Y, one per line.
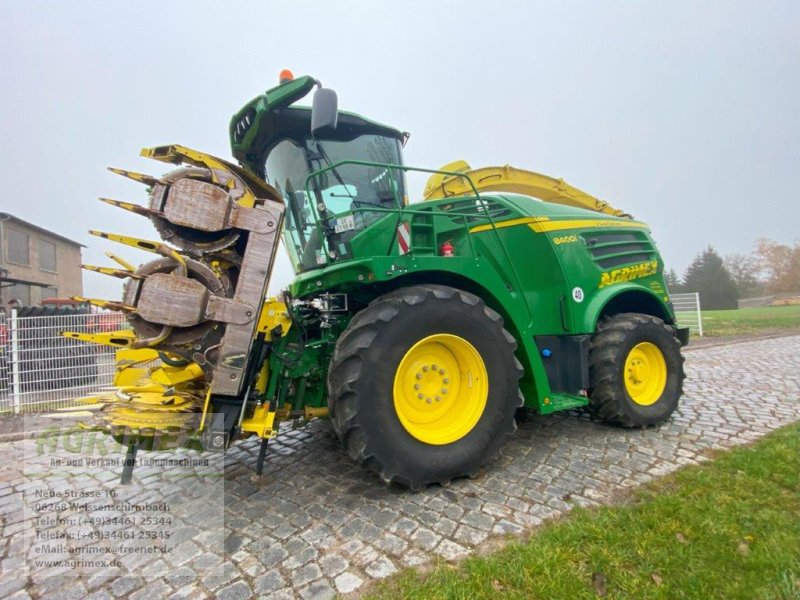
column 577, row 294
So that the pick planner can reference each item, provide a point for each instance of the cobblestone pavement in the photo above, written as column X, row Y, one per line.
column 315, row 525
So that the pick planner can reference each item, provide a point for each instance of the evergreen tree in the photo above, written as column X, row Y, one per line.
column 674, row 284
column 708, row 276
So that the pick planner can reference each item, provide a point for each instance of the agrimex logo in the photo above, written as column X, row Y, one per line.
column 644, row 269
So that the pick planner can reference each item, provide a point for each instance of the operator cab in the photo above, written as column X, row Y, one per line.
column 331, row 195
column 338, row 203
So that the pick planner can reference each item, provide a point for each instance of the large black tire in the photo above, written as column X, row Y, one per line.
column 362, row 375
column 610, row 396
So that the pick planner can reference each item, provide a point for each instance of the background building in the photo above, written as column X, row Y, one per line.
column 36, row 263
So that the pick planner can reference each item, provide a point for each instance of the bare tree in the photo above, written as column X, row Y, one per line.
column 781, row 265
column 745, row 270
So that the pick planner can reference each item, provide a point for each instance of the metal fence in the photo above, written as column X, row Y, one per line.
column 687, row 311
column 42, row 370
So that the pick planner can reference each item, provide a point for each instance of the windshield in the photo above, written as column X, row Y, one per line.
column 343, row 199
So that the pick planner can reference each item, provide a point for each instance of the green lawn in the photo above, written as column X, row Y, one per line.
column 750, row 320
column 727, row 529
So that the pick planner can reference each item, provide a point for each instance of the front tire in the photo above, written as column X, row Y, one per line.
column 423, row 385
column 635, row 370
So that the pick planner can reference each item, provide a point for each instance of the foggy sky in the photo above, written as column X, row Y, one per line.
column 685, row 114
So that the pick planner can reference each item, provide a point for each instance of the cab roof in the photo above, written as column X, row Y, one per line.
column 270, row 117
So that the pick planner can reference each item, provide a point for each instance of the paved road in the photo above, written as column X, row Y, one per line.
column 315, row 525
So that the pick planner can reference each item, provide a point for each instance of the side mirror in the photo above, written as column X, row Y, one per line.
column 324, row 112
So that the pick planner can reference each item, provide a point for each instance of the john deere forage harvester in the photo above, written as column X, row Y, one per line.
column 419, row 327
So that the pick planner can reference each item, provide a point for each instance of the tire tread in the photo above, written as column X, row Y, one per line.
column 346, row 369
column 604, row 352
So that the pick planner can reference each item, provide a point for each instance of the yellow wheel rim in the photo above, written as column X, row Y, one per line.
column 440, row 389
column 645, row 373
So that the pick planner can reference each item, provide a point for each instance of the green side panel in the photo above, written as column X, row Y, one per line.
column 365, row 279
column 584, row 267
column 542, row 281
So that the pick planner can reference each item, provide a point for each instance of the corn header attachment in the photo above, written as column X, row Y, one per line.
column 194, row 310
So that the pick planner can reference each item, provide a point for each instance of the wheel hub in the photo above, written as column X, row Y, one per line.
column 432, row 383
column 645, row 373
column 440, row 389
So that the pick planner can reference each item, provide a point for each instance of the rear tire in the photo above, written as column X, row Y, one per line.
column 635, row 370
column 423, row 385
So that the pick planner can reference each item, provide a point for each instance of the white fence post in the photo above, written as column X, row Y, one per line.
column 699, row 314
column 687, row 311
column 15, row 383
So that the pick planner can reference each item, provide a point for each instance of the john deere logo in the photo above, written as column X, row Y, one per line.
column 644, row 269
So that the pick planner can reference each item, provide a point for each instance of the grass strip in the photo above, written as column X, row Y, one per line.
column 750, row 320
column 729, row 528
